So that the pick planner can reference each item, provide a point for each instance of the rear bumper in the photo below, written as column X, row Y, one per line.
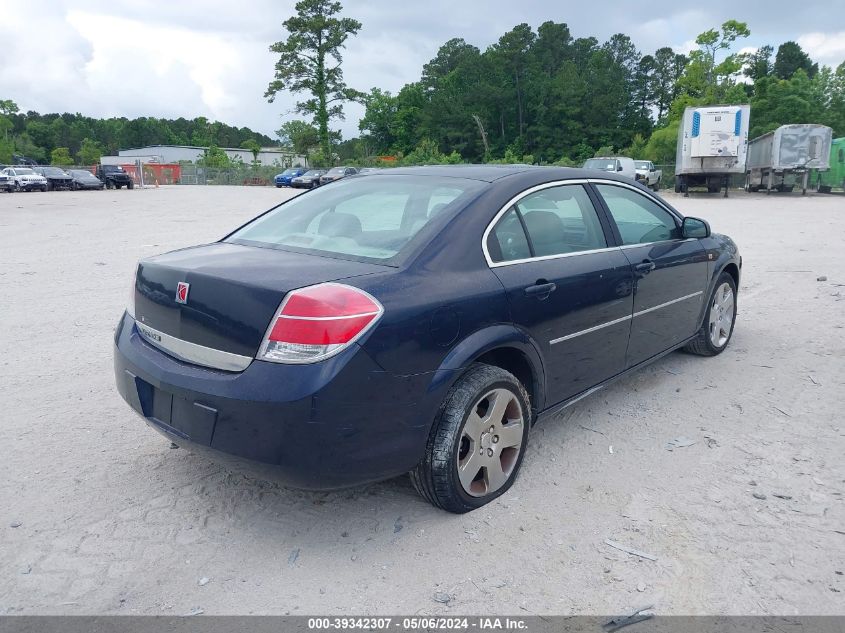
column 333, row 424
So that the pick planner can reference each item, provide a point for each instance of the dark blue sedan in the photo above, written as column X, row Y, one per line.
column 283, row 179
column 418, row 320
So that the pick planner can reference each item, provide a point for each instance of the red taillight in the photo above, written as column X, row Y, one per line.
column 317, row 322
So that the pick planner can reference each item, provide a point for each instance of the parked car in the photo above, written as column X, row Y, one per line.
column 336, row 173
column 308, row 180
column 419, row 320
column 84, row 179
column 620, row 165
column 648, row 174
column 283, row 179
column 26, row 179
column 56, row 178
column 7, row 182
column 114, row 177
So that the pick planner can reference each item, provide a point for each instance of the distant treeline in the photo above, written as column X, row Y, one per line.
column 37, row 136
column 546, row 96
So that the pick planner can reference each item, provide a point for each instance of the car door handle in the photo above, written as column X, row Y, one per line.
column 542, row 289
column 644, row 268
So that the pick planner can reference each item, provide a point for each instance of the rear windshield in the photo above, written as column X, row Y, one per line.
column 601, row 163
column 371, row 218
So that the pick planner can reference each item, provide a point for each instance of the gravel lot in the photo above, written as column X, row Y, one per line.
column 98, row 515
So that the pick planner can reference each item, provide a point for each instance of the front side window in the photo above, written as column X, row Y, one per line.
column 371, row 218
column 639, row 219
column 558, row 220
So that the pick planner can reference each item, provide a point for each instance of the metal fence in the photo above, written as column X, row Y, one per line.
column 257, row 176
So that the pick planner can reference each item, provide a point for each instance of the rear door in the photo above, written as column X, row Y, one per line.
column 565, row 285
column 670, row 273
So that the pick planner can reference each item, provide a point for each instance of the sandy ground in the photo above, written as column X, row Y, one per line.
column 98, row 514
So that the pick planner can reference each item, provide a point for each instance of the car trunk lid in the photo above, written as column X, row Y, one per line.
column 232, row 291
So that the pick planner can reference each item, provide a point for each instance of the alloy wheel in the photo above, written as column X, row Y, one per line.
column 721, row 315
column 490, row 443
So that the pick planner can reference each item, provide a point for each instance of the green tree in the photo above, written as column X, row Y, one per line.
column 759, row 63
column 298, row 136
column 379, row 120
column 790, row 58
column 310, row 61
column 61, row 156
column 253, row 146
column 214, row 157
column 89, row 152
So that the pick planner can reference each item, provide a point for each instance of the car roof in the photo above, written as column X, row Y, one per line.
column 492, row 173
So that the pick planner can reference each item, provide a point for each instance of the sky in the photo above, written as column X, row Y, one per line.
column 211, row 58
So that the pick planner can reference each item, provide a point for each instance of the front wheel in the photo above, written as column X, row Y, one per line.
column 130, row 185
column 656, row 186
column 477, row 441
column 718, row 326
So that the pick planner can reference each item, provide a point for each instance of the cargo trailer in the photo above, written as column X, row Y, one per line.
column 835, row 176
column 712, row 145
column 788, row 150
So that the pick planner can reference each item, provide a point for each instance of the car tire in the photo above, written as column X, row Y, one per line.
column 445, row 476
column 656, row 186
column 130, row 185
column 44, row 188
column 716, row 331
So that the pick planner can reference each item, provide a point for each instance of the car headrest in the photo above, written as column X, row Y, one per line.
column 339, row 225
column 546, row 230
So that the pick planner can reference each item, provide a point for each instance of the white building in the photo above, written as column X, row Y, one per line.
column 175, row 153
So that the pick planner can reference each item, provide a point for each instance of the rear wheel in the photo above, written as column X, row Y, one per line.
column 130, row 185
column 656, row 186
column 718, row 326
column 477, row 442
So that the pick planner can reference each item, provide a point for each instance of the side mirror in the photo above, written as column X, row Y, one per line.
column 619, row 168
column 653, row 169
column 694, row 227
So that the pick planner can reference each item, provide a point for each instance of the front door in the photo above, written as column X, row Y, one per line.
column 565, row 286
column 670, row 273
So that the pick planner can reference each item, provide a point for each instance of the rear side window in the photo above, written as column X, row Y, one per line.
column 639, row 219
column 558, row 220
column 371, row 218
column 507, row 241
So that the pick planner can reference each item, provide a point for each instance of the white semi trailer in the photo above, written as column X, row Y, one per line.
column 790, row 149
column 712, row 146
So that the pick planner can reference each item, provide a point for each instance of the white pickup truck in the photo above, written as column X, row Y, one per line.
column 647, row 174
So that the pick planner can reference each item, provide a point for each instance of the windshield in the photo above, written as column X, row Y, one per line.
column 81, row 173
column 641, row 164
column 112, row 168
column 336, row 171
column 289, row 172
column 605, row 164
column 314, row 172
column 371, row 218
column 24, row 171
column 52, row 171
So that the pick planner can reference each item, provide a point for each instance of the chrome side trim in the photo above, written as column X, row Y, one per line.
column 558, row 183
column 588, row 330
column 589, row 392
column 192, row 352
column 622, row 319
column 543, row 258
column 668, row 303
column 509, row 204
